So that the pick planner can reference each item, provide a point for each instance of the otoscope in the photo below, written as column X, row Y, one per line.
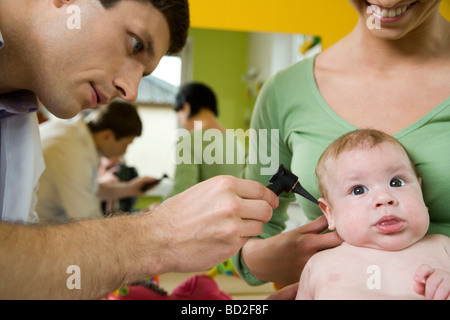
column 285, row 181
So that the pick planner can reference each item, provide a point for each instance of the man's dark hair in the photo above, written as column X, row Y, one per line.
column 119, row 116
column 176, row 13
column 199, row 96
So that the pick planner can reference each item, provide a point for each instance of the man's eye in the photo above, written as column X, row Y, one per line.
column 397, row 182
column 359, row 190
column 136, row 44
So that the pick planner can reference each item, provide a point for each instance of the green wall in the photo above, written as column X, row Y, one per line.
column 219, row 59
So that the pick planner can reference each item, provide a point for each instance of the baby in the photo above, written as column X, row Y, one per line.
column 372, row 197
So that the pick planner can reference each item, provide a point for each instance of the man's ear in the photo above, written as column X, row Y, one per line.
column 187, row 109
column 104, row 136
column 108, row 134
column 60, row 3
column 326, row 209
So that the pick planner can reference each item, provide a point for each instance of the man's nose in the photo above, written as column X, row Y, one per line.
column 128, row 83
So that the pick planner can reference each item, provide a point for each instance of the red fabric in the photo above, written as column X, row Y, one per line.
column 196, row 287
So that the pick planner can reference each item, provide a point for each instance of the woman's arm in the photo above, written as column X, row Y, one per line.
column 281, row 258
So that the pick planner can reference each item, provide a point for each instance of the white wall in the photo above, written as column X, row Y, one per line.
column 151, row 153
column 272, row 52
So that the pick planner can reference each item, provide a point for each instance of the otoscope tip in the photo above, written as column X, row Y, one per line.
column 301, row 191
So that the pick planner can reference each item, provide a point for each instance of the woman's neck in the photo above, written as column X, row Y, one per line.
column 431, row 40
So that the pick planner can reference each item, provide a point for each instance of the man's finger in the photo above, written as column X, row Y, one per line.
column 248, row 189
column 250, row 228
column 259, row 210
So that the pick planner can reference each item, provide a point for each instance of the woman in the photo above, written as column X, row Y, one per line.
column 391, row 73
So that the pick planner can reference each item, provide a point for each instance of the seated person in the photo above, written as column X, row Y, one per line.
column 372, row 197
column 69, row 188
column 197, row 110
column 111, row 171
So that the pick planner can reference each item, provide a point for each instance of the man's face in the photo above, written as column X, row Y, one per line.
column 103, row 59
column 375, row 199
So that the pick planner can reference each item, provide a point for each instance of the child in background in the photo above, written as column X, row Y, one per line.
column 372, row 197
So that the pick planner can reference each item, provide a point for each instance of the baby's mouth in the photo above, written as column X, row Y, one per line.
column 390, row 224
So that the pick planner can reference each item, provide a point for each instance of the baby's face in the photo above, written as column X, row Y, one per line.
column 375, row 199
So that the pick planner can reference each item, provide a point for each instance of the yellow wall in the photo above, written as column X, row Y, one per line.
column 330, row 19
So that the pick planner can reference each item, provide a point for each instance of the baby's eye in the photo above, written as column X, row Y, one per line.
column 136, row 44
column 397, row 182
column 359, row 190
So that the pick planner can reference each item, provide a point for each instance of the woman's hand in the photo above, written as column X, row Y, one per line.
column 281, row 258
column 286, row 293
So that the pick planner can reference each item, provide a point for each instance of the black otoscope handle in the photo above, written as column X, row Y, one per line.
column 277, row 187
column 282, row 181
column 285, row 181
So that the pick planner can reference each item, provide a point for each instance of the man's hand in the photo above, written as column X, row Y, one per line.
column 211, row 221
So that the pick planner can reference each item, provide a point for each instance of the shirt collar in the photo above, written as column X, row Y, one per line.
column 18, row 102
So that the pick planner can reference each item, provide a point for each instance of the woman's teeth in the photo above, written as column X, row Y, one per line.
column 390, row 13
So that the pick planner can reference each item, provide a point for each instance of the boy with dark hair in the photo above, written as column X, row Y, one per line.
column 69, row 189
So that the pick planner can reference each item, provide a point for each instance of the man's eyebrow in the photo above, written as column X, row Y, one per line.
column 150, row 48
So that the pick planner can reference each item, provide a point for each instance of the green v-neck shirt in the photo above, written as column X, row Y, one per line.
column 291, row 102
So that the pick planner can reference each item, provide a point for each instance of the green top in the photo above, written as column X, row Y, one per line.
column 292, row 103
column 202, row 154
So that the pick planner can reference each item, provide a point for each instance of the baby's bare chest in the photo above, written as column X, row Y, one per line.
column 359, row 274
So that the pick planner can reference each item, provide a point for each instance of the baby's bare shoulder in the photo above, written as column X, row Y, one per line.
column 435, row 243
column 338, row 253
column 433, row 239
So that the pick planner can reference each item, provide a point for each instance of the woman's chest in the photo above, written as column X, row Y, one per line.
column 388, row 101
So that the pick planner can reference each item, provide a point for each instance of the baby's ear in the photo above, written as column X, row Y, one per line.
column 326, row 209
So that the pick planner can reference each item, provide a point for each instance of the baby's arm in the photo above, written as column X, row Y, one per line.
column 434, row 284
column 304, row 289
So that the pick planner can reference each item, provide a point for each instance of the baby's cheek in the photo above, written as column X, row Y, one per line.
column 352, row 232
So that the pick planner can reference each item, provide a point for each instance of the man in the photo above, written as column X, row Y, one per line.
column 69, row 188
column 73, row 69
